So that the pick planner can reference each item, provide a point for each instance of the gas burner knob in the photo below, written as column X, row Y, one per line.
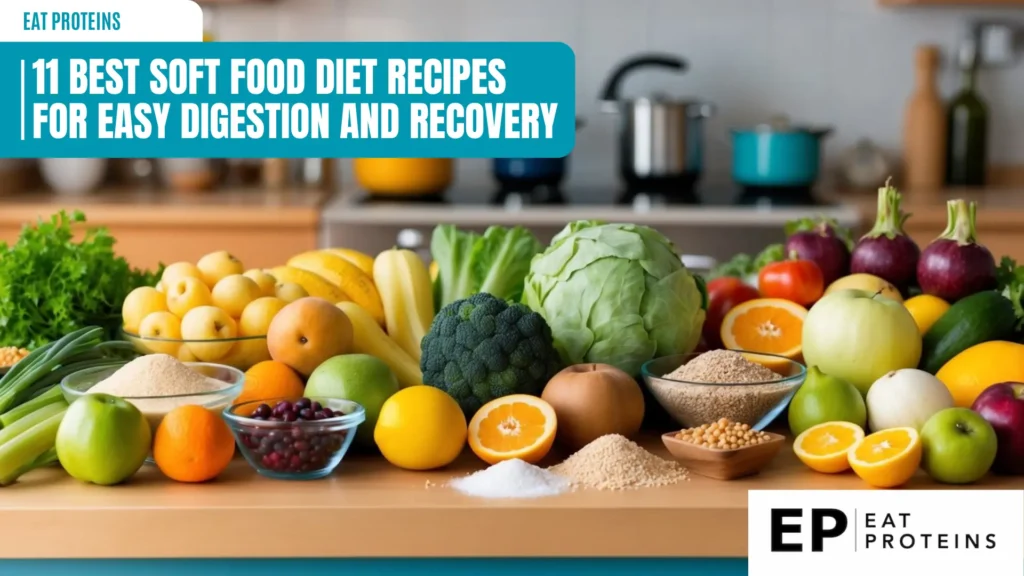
column 409, row 239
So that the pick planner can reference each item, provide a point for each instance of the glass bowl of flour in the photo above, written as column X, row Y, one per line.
column 159, row 383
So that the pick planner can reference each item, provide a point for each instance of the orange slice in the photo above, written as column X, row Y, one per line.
column 516, row 426
column 824, row 447
column 888, row 458
column 770, row 325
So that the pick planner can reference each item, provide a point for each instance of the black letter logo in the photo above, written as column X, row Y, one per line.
column 779, row 528
column 818, row 532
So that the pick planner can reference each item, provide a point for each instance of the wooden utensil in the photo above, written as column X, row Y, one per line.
column 723, row 464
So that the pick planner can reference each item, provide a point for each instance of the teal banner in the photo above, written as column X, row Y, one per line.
column 384, row 566
column 287, row 100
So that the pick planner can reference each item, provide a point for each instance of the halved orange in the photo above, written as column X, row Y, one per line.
column 516, row 426
column 888, row 458
column 770, row 325
column 824, row 447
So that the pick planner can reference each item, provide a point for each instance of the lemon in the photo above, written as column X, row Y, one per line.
column 420, row 428
column 926, row 310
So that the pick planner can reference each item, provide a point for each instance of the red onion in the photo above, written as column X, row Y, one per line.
column 954, row 265
column 820, row 243
column 886, row 251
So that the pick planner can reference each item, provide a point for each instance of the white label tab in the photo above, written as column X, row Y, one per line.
column 805, row 533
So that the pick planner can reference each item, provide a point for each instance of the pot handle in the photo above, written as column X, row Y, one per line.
column 610, row 93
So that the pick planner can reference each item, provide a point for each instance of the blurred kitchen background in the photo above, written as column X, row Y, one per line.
column 726, row 119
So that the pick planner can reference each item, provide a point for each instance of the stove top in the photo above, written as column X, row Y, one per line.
column 640, row 198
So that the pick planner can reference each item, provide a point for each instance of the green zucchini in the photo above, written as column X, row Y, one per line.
column 978, row 318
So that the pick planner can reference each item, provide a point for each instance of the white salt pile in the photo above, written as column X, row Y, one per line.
column 511, row 479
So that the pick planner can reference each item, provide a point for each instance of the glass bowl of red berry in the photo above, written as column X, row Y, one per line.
column 295, row 438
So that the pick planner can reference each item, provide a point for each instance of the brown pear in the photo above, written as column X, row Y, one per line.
column 591, row 400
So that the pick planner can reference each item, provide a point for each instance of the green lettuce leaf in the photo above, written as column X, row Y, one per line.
column 495, row 262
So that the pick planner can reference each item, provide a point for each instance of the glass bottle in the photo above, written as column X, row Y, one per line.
column 966, row 159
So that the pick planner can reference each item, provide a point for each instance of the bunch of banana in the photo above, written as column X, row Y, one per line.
column 337, row 275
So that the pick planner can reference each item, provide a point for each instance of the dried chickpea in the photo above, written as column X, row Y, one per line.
column 10, row 355
column 723, row 434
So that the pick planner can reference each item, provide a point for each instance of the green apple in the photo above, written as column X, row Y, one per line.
column 860, row 336
column 103, row 439
column 959, row 446
column 360, row 378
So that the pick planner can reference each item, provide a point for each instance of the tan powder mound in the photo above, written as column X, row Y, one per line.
column 156, row 375
column 613, row 462
column 722, row 367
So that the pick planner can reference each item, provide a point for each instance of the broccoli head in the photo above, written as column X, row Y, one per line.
column 482, row 348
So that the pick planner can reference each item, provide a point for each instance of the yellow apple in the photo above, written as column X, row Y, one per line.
column 187, row 293
column 233, row 293
column 160, row 286
column 263, row 279
column 289, row 292
column 161, row 326
column 212, row 324
column 140, row 303
column 179, row 270
column 255, row 319
column 247, row 353
column 217, row 265
column 185, row 354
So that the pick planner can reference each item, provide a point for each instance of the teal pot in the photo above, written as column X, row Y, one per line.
column 774, row 156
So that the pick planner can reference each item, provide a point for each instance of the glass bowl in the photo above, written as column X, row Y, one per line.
column 154, row 408
column 242, row 352
column 298, row 450
column 694, row 403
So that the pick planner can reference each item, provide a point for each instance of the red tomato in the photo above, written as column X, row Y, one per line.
column 798, row 281
column 723, row 294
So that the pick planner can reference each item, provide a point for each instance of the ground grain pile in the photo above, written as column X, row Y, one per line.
column 613, row 462
column 722, row 367
column 752, row 389
column 156, row 375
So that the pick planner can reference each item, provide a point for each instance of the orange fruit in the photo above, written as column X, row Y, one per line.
column 270, row 379
column 888, row 458
column 770, row 325
column 824, row 447
column 193, row 444
column 516, row 426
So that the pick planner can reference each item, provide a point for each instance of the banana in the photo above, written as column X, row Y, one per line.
column 314, row 284
column 357, row 285
column 369, row 338
column 363, row 261
column 407, row 295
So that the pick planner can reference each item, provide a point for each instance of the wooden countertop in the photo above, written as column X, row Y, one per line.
column 227, row 208
column 369, row 509
column 997, row 207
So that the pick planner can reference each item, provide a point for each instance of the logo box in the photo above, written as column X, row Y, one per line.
column 802, row 532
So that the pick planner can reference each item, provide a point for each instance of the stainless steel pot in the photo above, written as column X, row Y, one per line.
column 660, row 138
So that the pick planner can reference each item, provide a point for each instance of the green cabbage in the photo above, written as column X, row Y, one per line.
column 616, row 294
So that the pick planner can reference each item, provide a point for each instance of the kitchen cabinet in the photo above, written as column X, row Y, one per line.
column 262, row 228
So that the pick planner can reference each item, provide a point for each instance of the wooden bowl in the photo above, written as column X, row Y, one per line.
column 724, row 464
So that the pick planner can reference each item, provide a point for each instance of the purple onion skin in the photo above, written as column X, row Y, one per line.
column 892, row 259
column 952, row 271
column 824, row 248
